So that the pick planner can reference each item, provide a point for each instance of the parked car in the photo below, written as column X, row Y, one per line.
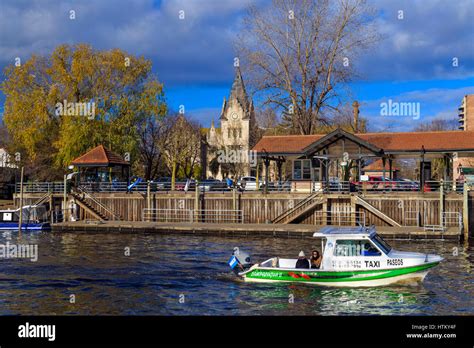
column 407, row 184
column 249, row 183
column 164, row 184
column 212, row 185
column 376, row 183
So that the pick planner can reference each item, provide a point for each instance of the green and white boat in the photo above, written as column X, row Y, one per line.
column 351, row 257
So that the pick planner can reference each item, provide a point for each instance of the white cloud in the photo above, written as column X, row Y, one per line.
column 422, row 45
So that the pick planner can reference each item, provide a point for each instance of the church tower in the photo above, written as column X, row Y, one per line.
column 237, row 124
column 237, row 116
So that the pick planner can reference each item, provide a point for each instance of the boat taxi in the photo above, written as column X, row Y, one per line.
column 34, row 218
column 351, row 257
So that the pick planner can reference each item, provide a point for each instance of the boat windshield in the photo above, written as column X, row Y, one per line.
column 381, row 243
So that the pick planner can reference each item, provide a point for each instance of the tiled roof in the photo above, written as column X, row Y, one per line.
column 389, row 142
column 99, row 156
column 285, row 143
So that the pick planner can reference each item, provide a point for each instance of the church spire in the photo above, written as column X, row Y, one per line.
column 238, row 89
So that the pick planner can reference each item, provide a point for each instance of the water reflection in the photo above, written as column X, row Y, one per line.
column 188, row 275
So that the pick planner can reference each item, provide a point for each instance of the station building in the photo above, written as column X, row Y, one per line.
column 343, row 155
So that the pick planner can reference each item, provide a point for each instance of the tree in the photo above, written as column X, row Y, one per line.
column 298, row 54
column 60, row 105
column 181, row 147
column 438, row 124
column 214, row 166
column 343, row 118
column 151, row 128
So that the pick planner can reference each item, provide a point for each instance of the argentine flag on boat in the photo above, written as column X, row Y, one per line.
column 233, row 262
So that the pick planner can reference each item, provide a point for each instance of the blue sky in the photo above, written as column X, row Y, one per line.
column 194, row 56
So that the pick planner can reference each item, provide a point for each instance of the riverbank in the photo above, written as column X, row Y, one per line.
column 244, row 230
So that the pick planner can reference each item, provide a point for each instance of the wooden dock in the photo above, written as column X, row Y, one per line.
column 398, row 208
column 239, row 230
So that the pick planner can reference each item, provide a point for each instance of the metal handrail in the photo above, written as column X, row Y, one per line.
column 452, row 218
column 301, row 204
column 36, row 187
column 275, row 186
column 42, row 199
column 101, row 205
column 190, row 215
column 343, row 217
column 407, row 217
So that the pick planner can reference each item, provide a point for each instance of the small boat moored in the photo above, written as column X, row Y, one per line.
column 34, row 218
column 351, row 257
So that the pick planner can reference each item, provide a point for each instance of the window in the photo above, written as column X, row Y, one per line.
column 355, row 248
column 381, row 243
column 302, row 169
column 297, row 170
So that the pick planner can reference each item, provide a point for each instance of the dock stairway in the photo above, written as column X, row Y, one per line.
column 301, row 208
column 43, row 198
column 90, row 204
column 363, row 203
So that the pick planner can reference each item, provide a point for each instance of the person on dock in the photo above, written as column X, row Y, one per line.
column 230, row 182
column 302, row 260
column 316, row 259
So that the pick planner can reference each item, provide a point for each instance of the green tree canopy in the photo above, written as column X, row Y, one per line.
column 107, row 96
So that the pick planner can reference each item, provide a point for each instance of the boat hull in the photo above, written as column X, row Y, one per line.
column 363, row 278
column 12, row 226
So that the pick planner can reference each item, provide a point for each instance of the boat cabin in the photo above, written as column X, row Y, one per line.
column 340, row 247
column 31, row 213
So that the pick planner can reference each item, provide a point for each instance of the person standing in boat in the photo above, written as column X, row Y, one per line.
column 316, row 259
column 302, row 260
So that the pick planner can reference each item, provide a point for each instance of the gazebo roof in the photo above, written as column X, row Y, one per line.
column 99, row 156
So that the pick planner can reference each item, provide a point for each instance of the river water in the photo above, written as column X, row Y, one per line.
column 188, row 275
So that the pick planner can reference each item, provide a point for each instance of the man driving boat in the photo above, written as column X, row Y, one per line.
column 302, row 261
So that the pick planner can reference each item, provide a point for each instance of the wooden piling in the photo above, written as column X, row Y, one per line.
column 148, row 195
column 465, row 217
column 51, row 207
column 441, row 202
column 353, row 211
column 65, row 215
column 196, row 202
column 21, row 201
column 234, row 199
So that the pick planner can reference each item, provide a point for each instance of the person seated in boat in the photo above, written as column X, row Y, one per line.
column 316, row 259
column 275, row 262
column 369, row 250
column 302, row 261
